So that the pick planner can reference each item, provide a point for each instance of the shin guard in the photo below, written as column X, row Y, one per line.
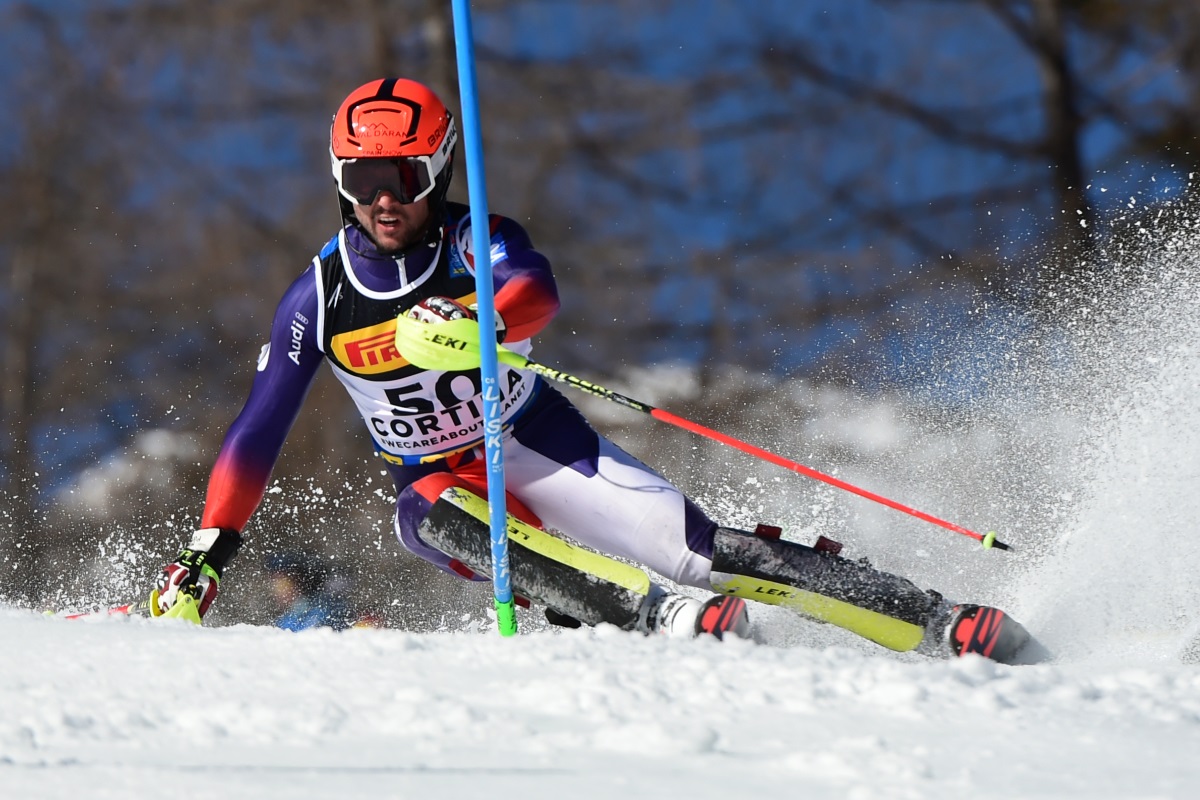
column 883, row 608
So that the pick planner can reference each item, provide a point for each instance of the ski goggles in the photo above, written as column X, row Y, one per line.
column 360, row 180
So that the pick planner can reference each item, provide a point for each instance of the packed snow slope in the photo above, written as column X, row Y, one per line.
column 132, row 708
column 1090, row 445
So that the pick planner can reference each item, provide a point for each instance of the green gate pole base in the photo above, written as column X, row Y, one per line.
column 506, row 617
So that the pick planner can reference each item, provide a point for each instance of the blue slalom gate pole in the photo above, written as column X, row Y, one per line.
column 481, row 244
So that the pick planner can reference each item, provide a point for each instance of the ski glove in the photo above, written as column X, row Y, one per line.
column 196, row 572
column 446, row 309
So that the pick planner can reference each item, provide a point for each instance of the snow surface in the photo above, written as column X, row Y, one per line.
column 132, row 708
column 126, row 708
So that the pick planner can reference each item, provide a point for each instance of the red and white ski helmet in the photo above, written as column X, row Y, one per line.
column 392, row 134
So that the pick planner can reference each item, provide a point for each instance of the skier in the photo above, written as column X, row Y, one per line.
column 404, row 249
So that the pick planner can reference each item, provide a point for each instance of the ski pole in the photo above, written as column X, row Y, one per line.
column 464, row 45
column 455, row 346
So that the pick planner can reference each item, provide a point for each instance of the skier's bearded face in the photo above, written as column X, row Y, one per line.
column 392, row 225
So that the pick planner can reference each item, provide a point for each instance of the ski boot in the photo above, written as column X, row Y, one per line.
column 680, row 616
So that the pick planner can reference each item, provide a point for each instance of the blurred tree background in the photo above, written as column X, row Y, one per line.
column 785, row 188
